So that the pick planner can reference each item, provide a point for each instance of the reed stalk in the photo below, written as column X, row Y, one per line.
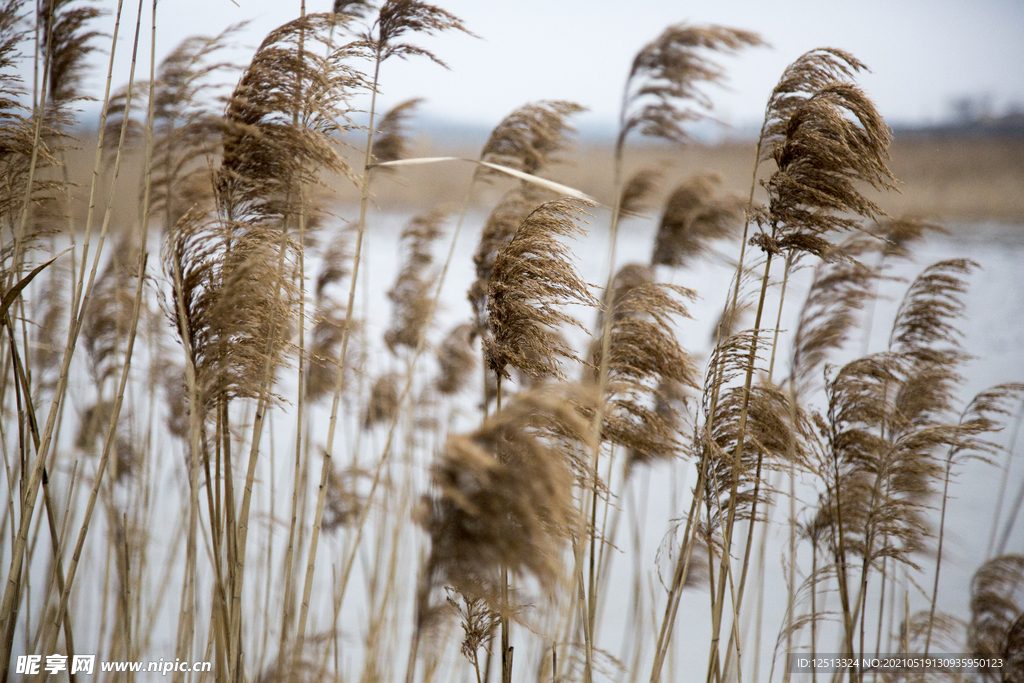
column 8, row 605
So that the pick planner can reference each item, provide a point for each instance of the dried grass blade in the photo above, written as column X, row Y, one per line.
column 540, row 182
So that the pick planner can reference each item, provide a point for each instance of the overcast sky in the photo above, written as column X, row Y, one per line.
column 923, row 53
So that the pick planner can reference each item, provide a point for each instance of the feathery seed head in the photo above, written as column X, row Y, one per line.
column 69, row 42
column 644, row 358
column 832, row 141
column 499, row 229
column 505, row 497
column 390, row 142
column 457, row 360
column 398, row 17
column 638, row 191
column 412, row 292
column 662, row 90
column 694, row 216
column 528, row 139
column 383, row 403
column 533, row 276
column 325, row 349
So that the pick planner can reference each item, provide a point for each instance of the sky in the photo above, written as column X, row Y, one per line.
column 923, row 54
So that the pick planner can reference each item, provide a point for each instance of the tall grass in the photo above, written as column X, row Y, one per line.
column 437, row 519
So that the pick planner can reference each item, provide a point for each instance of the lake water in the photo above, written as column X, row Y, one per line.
column 993, row 333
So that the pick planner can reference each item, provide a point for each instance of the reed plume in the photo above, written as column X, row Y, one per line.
column 381, row 41
column 233, row 300
column 499, row 229
column 638, row 191
column 237, row 191
column 69, row 40
column 334, row 263
column 391, row 142
column 268, row 154
column 186, row 130
column 343, row 503
column 887, row 428
column 17, row 129
column 353, row 8
column 772, row 441
column 899, row 234
column 383, row 403
column 526, row 140
column 810, row 73
column 831, row 140
column 996, row 613
column 411, row 293
column 329, row 325
column 51, row 327
column 478, row 622
column 124, row 103
column 1014, row 650
column 533, row 276
column 529, row 138
column 662, row 94
column 840, row 288
column 504, row 497
column 929, row 312
column 238, row 297
column 398, row 17
column 825, row 145
column 456, row 359
column 693, row 217
column 644, row 358
column 106, row 325
column 663, row 90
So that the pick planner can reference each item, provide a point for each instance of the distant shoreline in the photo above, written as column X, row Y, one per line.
column 960, row 180
column 941, row 177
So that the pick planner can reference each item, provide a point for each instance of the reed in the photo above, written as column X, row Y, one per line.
column 188, row 447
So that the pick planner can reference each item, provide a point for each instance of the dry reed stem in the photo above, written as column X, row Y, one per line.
column 656, row 100
column 22, row 389
column 395, row 19
column 7, row 609
column 820, row 155
column 982, row 415
column 108, row 442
